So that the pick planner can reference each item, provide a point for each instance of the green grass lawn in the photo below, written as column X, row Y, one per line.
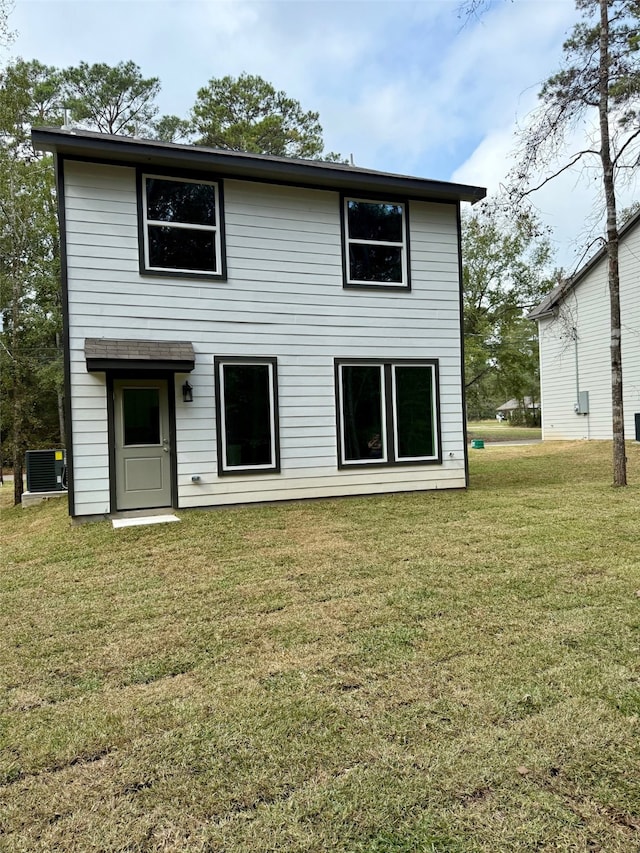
column 493, row 430
column 451, row 672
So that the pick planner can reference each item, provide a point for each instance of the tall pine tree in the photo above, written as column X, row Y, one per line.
column 599, row 80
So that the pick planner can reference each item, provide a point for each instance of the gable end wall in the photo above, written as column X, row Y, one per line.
column 586, row 309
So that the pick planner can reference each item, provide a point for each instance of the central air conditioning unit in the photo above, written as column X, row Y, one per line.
column 46, row 470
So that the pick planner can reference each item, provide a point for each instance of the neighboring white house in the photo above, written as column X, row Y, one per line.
column 243, row 328
column 575, row 333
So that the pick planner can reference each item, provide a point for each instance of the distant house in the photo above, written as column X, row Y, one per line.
column 575, row 334
column 243, row 328
column 507, row 410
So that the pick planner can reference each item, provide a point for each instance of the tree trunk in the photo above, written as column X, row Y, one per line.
column 16, row 394
column 619, row 454
column 17, row 383
column 17, row 438
column 18, row 483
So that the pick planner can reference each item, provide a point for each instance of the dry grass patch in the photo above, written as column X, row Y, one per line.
column 435, row 672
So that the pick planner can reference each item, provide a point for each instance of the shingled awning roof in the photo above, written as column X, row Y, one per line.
column 113, row 354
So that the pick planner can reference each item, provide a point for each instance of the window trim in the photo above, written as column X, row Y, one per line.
column 356, row 284
column 225, row 470
column 143, row 233
column 434, row 415
column 383, row 460
column 390, row 422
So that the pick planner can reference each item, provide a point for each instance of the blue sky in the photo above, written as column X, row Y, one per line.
column 405, row 86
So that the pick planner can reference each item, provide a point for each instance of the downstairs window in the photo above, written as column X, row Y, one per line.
column 247, row 415
column 388, row 412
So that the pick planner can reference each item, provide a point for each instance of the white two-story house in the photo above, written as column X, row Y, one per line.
column 574, row 323
column 243, row 328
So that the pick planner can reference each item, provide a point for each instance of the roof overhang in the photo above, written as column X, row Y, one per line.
column 309, row 173
column 549, row 305
column 103, row 354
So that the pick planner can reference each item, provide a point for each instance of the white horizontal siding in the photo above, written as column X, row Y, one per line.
column 586, row 309
column 229, row 314
column 284, row 297
column 328, row 489
column 244, row 307
column 267, row 338
column 90, row 446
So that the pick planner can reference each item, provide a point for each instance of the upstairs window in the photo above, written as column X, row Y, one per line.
column 181, row 226
column 376, row 252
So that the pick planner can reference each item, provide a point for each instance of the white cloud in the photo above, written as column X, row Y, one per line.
column 489, row 162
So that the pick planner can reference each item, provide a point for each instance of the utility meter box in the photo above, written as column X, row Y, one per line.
column 46, row 470
column 582, row 406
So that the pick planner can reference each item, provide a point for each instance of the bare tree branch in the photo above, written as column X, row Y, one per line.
column 575, row 159
column 626, row 145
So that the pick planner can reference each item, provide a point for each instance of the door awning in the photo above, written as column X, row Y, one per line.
column 113, row 354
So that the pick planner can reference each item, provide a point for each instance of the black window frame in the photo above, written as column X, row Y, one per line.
column 225, row 470
column 390, row 456
column 347, row 240
column 143, row 240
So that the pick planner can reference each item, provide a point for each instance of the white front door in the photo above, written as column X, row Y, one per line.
column 142, row 443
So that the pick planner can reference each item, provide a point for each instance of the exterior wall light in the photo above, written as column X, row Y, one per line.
column 187, row 393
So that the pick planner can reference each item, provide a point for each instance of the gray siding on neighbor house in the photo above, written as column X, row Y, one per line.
column 585, row 308
column 284, row 297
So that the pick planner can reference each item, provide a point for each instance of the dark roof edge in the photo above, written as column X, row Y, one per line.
column 310, row 172
column 545, row 308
